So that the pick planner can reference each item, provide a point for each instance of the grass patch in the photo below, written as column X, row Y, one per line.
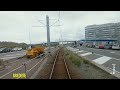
column 77, row 60
column 86, row 62
column 73, row 57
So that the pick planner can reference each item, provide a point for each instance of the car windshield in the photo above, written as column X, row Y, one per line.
column 1, row 49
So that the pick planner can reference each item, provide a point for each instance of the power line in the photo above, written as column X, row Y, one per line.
column 38, row 26
column 53, row 25
column 40, row 20
column 57, row 19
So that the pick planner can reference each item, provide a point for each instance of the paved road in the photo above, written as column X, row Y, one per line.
column 100, row 56
column 105, row 52
column 16, row 54
column 18, row 67
column 11, row 55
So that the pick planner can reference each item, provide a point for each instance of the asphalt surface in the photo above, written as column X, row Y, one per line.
column 105, row 52
column 17, row 67
column 11, row 55
column 102, row 57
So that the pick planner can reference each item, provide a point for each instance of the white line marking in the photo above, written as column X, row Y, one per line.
column 36, row 64
column 74, row 50
column 9, row 55
column 102, row 60
column 103, row 55
column 81, row 51
column 11, row 71
column 112, row 52
column 21, row 66
column 15, row 55
column 84, row 54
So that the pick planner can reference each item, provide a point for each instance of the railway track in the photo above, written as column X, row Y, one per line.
column 59, row 69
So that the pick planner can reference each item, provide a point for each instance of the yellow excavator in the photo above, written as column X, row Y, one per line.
column 34, row 51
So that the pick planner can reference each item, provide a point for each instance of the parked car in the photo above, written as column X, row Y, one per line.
column 1, row 50
column 4, row 50
column 108, row 46
column 9, row 49
column 96, row 46
column 116, row 47
column 16, row 49
column 88, row 45
column 100, row 46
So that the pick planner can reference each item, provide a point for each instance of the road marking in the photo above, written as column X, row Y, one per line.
column 36, row 64
column 15, row 55
column 9, row 55
column 102, row 59
column 85, row 54
column 103, row 55
column 112, row 52
column 11, row 71
column 20, row 67
column 81, row 51
column 74, row 50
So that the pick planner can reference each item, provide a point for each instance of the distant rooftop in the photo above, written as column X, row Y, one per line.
column 106, row 24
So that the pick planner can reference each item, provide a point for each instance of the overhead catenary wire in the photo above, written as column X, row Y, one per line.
column 40, row 22
column 50, row 25
column 29, row 35
column 57, row 19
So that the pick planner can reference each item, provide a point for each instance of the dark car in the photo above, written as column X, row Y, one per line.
column 5, row 50
column 1, row 50
column 108, row 46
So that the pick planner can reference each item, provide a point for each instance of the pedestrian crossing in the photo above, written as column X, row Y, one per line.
column 85, row 54
column 104, row 61
column 100, row 60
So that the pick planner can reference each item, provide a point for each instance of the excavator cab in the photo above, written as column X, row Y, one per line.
column 34, row 51
column 31, row 46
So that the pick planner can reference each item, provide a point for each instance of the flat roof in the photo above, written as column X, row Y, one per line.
column 98, row 40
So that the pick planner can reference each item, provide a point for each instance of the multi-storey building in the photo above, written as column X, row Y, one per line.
column 104, row 33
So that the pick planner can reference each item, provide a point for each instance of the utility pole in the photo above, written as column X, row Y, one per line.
column 48, row 31
column 29, row 37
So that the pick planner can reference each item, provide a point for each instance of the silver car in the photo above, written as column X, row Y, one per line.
column 116, row 47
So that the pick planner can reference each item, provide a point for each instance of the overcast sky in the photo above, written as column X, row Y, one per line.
column 16, row 25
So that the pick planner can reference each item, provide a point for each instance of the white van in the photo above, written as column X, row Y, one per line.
column 116, row 46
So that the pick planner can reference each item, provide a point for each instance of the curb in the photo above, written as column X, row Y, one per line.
column 103, row 68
